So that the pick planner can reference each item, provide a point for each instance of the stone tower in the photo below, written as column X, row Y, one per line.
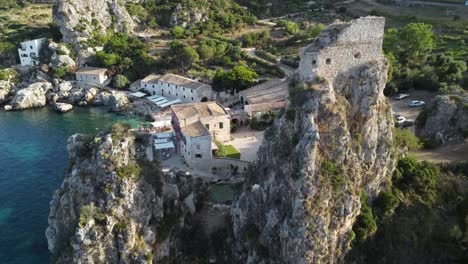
column 341, row 47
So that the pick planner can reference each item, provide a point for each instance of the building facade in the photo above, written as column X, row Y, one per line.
column 30, row 51
column 341, row 47
column 196, row 127
column 177, row 87
column 92, row 76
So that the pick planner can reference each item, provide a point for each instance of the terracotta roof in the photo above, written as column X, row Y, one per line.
column 152, row 78
column 175, row 79
column 92, row 70
column 184, row 111
column 196, row 129
column 270, row 91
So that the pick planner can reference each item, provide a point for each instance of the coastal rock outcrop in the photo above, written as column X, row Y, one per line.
column 5, row 87
column 80, row 19
column 32, row 96
column 116, row 206
column 444, row 120
column 119, row 102
column 333, row 142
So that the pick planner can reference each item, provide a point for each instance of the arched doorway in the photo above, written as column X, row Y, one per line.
column 204, row 99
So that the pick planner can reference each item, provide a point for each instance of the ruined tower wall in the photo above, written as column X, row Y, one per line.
column 341, row 47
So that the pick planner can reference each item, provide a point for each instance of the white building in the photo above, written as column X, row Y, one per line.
column 196, row 126
column 177, row 87
column 30, row 50
column 92, row 76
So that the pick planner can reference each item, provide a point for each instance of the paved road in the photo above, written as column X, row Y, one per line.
column 437, row 4
column 288, row 70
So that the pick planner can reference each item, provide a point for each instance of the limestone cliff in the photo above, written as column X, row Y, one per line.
column 444, row 120
column 334, row 140
column 80, row 19
column 115, row 206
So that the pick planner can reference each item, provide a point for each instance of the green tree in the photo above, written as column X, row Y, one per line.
column 314, row 31
column 178, row 32
column 206, row 52
column 365, row 224
column 120, row 81
column 405, row 140
column 124, row 53
column 410, row 42
column 238, row 78
column 181, row 54
column 417, row 178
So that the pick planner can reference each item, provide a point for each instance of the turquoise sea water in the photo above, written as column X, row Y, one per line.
column 33, row 159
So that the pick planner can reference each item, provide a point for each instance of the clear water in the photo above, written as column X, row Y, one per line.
column 221, row 193
column 33, row 159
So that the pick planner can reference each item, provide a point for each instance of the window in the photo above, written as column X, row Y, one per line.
column 183, row 89
column 146, row 85
column 177, row 94
column 192, row 98
column 184, row 96
column 31, row 47
column 94, row 77
column 207, row 126
column 198, row 146
column 221, row 125
column 198, row 156
column 314, row 62
column 328, row 61
column 357, row 55
column 153, row 85
column 154, row 93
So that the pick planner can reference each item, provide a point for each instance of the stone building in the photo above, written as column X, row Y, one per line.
column 196, row 126
column 267, row 97
column 341, row 47
column 30, row 51
column 177, row 87
column 92, row 75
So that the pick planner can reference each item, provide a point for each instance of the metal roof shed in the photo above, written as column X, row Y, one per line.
column 168, row 145
column 176, row 101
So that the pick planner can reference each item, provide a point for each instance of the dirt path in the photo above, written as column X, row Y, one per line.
column 449, row 153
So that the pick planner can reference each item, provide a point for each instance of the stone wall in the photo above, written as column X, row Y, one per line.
column 342, row 46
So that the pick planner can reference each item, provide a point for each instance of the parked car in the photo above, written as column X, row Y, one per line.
column 182, row 173
column 416, row 103
column 400, row 119
column 400, row 96
column 407, row 123
column 166, row 170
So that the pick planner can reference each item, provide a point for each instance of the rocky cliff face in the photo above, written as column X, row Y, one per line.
column 301, row 198
column 80, row 19
column 115, row 206
column 444, row 120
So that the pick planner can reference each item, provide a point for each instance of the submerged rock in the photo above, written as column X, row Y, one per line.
column 62, row 107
